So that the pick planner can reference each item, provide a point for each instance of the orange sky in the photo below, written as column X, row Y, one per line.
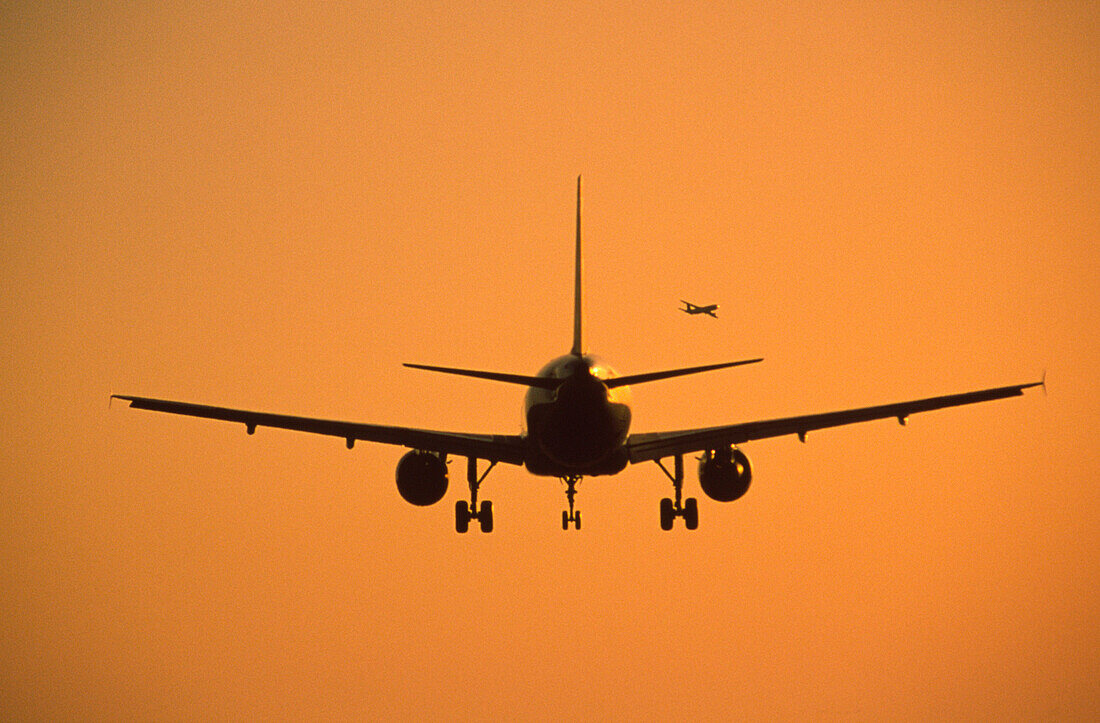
column 273, row 210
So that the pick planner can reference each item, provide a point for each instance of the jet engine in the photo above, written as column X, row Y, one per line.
column 724, row 474
column 422, row 478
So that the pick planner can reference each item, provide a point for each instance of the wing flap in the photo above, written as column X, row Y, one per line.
column 494, row 448
column 657, row 445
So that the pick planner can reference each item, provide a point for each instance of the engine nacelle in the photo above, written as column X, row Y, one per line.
column 422, row 478
column 725, row 474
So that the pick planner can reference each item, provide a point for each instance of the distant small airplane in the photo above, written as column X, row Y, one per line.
column 690, row 308
column 578, row 417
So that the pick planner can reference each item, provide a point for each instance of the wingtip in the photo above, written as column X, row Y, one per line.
column 1042, row 383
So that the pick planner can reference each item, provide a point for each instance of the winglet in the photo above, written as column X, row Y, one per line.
column 578, row 347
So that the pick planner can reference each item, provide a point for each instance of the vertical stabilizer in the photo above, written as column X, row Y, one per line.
column 578, row 348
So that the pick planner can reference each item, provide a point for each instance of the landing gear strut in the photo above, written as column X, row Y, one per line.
column 571, row 515
column 670, row 510
column 466, row 512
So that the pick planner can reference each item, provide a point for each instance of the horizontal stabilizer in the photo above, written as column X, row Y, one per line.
column 527, row 381
column 552, row 383
column 654, row 376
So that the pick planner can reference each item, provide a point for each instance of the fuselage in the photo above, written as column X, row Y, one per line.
column 579, row 428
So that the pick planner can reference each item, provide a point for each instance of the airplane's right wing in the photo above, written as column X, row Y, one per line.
column 657, row 445
column 489, row 447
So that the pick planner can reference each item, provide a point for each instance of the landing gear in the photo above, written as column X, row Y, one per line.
column 465, row 512
column 671, row 509
column 571, row 515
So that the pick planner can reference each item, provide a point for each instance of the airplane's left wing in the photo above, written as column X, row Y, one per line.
column 489, row 447
column 657, row 445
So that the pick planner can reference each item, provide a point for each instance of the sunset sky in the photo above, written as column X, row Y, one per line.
column 272, row 206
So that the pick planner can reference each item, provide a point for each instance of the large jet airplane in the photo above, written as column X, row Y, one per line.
column 691, row 309
column 578, row 425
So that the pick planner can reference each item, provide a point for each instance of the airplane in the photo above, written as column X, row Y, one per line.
column 578, row 418
column 692, row 309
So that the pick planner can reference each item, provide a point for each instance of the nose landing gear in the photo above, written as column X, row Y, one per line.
column 671, row 509
column 571, row 515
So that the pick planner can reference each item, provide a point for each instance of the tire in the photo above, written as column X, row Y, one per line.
column 564, row 520
column 485, row 516
column 577, row 520
column 691, row 513
column 462, row 517
column 667, row 514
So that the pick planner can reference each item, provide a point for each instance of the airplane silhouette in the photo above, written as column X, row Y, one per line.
column 578, row 424
column 692, row 309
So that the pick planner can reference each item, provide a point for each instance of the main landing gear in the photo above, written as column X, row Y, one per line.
column 465, row 512
column 670, row 509
column 571, row 515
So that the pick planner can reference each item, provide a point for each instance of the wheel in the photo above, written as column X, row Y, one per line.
column 462, row 517
column 691, row 513
column 577, row 520
column 564, row 520
column 667, row 514
column 485, row 516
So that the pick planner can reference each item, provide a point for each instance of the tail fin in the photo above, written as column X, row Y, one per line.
column 578, row 347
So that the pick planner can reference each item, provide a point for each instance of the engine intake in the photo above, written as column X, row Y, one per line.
column 725, row 474
column 422, row 478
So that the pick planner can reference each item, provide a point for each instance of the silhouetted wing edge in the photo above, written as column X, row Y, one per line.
column 657, row 445
column 493, row 448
